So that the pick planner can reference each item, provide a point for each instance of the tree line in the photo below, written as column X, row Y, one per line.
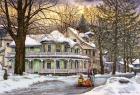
column 117, row 31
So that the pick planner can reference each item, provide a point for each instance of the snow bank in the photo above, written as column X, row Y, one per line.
column 114, row 87
column 15, row 82
column 136, row 78
column 102, row 79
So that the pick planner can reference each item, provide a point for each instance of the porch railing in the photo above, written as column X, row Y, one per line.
column 51, row 54
column 55, row 71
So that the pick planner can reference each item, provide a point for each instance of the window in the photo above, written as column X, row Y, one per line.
column 65, row 64
column 71, row 49
column 43, row 64
column 66, row 48
column 57, row 64
column 86, row 51
column 74, row 40
column 58, row 48
column 76, row 50
column 49, row 48
column 85, row 65
column 31, row 65
column 93, row 53
column 76, row 64
column 48, row 65
column 71, row 65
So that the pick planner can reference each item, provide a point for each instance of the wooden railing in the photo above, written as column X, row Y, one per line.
column 30, row 54
column 50, row 53
column 57, row 71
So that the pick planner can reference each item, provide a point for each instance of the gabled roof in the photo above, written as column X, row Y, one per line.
column 28, row 42
column 87, row 45
column 89, row 33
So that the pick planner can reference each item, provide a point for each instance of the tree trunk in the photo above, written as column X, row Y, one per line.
column 124, row 60
column 101, row 59
column 20, row 56
column 127, row 65
column 114, row 65
column 115, row 38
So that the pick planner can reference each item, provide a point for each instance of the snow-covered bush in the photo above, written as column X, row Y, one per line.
column 115, row 87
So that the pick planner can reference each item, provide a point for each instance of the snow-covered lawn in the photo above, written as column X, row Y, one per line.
column 17, row 82
column 113, row 86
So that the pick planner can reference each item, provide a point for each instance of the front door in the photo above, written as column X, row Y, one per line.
column 37, row 66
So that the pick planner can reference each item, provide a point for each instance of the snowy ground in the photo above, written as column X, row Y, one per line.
column 18, row 82
column 113, row 86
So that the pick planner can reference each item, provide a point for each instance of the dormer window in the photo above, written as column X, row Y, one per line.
column 7, row 44
column 74, row 40
column 49, row 48
column 58, row 47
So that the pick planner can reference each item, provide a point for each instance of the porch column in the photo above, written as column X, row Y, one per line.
column 68, row 66
column 30, row 66
column 43, row 64
column 54, row 66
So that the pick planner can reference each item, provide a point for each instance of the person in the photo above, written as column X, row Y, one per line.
column 5, row 76
column 90, row 72
column 80, row 80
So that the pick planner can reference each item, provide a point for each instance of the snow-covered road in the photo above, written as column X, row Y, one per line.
column 50, row 87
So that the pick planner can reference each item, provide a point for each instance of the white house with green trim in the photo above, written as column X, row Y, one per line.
column 56, row 53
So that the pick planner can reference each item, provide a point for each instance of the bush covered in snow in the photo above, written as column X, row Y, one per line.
column 114, row 86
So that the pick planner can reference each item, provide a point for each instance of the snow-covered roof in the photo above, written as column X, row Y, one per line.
column 80, row 38
column 89, row 33
column 28, row 42
column 73, row 30
column 83, row 35
column 56, row 36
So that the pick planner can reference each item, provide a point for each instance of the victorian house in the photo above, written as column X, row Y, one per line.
column 57, row 53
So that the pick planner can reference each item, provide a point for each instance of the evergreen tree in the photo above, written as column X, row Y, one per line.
column 83, row 25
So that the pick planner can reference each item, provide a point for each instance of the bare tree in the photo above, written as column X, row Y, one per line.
column 67, row 15
column 122, row 29
column 26, row 14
